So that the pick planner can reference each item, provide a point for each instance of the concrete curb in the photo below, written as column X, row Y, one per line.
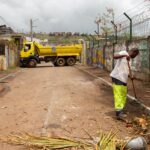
column 10, row 75
column 131, row 98
column 1, row 88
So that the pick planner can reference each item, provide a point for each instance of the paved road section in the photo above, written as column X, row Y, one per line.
column 56, row 101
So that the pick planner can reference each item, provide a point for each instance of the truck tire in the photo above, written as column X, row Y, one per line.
column 32, row 63
column 60, row 61
column 71, row 61
column 55, row 64
column 21, row 64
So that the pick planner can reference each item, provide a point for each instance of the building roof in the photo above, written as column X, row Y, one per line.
column 5, row 30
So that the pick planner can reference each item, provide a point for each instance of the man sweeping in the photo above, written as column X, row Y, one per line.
column 119, row 77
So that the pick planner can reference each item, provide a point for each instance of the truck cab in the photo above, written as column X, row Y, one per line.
column 27, row 50
column 28, row 57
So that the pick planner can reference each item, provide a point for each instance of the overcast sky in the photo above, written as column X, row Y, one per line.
column 58, row 15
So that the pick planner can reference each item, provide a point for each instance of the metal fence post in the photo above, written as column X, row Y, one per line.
column 130, row 26
column 104, row 49
column 114, row 43
column 148, row 45
column 104, row 46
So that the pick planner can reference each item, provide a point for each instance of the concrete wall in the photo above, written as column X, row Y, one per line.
column 10, row 58
column 13, row 55
column 108, row 58
column 2, row 63
column 95, row 55
column 103, row 57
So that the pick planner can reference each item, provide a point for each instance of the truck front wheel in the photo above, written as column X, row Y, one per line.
column 22, row 65
column 32, row 63
column 60, row 62
column 71, row 61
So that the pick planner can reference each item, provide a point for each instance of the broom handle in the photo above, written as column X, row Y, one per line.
column 131, row 79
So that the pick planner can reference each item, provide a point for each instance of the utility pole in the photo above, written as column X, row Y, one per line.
column 31, row 28
column 105, row 45
column 114, row 43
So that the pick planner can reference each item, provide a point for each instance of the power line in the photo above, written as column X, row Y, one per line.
column 130, row 10
column 135, row 6
column 140, row 18
column 139, row 9
column 144, row 10
column 140, row 15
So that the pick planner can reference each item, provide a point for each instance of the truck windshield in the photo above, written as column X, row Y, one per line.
column 27, row 47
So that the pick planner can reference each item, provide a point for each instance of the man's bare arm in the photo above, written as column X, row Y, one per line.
column 117, row 56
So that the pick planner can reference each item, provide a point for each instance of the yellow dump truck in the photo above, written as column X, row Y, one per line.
column 33, row 53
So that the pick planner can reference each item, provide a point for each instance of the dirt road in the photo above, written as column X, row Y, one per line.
column 61, row 101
